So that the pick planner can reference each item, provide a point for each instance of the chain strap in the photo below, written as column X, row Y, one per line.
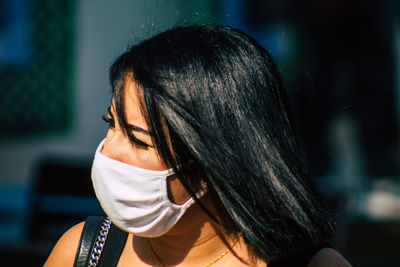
column 101, row 240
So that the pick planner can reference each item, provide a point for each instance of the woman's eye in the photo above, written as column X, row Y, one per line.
column 109, row 120
column 139, row 144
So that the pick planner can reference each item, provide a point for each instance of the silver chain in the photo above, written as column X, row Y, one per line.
column 101, row 240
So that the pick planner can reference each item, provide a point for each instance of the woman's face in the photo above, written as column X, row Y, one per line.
column 118, row 146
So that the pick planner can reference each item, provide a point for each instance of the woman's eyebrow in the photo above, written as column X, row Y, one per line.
column 131, row 127
column 138, row 129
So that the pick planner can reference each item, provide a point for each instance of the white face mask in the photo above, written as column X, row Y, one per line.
column 136, row 199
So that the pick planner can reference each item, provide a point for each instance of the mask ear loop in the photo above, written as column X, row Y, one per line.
column 203, row 190
column 193, row 194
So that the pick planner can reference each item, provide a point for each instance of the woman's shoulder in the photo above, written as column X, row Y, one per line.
column 63, row 253
column 328, row 257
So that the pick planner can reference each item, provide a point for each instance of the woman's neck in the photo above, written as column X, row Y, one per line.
column 194, row 241
column 194, row 248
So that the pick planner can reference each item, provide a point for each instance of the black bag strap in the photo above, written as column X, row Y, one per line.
column 112, row 249
column 90, row 230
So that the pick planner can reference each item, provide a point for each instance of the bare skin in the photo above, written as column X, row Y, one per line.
column 193, row 241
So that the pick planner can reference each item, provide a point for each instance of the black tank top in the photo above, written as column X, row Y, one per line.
column 300, row 259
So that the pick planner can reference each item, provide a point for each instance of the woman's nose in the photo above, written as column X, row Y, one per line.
column 116, row 145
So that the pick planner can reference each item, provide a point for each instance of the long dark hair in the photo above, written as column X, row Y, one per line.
column 214, row 101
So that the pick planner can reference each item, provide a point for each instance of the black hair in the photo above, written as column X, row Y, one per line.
column 221, row 98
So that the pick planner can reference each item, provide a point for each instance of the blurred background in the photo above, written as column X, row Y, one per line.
column 340, row 61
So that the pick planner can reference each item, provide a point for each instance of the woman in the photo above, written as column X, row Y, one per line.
column 200, row 164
